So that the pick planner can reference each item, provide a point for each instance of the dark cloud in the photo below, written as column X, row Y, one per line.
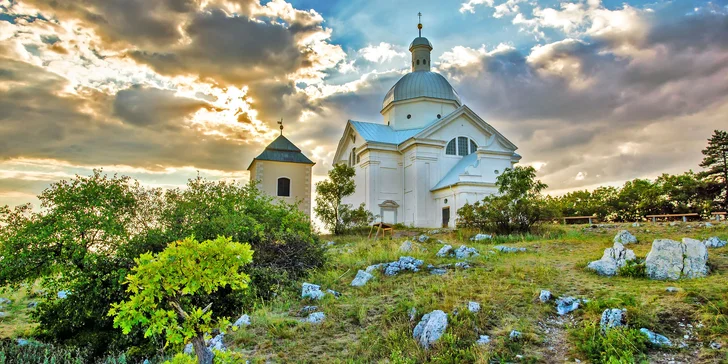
column 144, row 106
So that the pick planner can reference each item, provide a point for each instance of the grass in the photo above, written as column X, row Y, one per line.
column 372, row 323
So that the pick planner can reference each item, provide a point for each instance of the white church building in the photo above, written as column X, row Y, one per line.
column 431, row 154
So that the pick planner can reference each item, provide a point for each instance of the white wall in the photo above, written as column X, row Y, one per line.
column 268, row 172
column 423, row 112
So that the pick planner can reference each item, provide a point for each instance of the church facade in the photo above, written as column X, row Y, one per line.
column 431, row 155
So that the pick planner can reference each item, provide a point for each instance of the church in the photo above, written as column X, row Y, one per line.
column 430, row 155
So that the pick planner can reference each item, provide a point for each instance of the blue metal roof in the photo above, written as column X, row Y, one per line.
column 453, row 176
column 421, row 84
column 380, row 133
column 282, row 150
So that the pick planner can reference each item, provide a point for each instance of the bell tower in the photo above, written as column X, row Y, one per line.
column 420, row 49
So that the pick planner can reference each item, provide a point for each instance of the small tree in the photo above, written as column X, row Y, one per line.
column 164, row 285
column 716, row 165
column 331, row 192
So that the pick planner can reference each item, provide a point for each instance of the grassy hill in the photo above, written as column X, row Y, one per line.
column 372, row 323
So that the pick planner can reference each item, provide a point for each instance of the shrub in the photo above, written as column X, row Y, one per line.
column 356, row 220
column 633, row 268
column 617, row 345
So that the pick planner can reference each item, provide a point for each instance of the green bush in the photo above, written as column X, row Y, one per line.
column 633, row 268
column 617, row 345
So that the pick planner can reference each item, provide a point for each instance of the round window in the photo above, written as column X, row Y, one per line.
column 438, row 116
column 496, row 171
column 409, row 116
column 445, row 200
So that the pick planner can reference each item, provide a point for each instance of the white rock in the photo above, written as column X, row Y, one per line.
column 444, row 251
column 430, row 328
column 671, row 260
column 464, row 252
column 479, row 237
column 22, row 342
column 374, row 267
column 438, row 271
column 5, row 301
column 515, row 335
column 217, row 343
column 4, row 314
column 412, row 314
column 611, row 318
column 715, row 345
column 624, row 237
column 544, row 296
column 361, row 278
column 311, row 291
column 462, row 265
column 565, row 305
column 189, row 349
column 403, row 264
column 656, row 339
column 483, row 340
column 708, row 225
column 473, row 306
column 635, row 224
column 714, row 242
column 672, row 289
column 244, row 320
column 423, row 238
column 508, row 249
column 62, row 294
column 316, row 317
column 613, row 259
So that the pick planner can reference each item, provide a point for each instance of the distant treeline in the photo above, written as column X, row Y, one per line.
column 668, row 194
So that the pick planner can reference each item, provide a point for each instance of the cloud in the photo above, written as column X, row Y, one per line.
column 383, row 52
column 470, row 5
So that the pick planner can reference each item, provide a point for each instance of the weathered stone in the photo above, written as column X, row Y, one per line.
column 544, row 296
column 330, row 243
column 613, row 259
column 672, row 289
column 671, row 260
column 311, row 291
column 565, row 305
column 656, row 339
column 715, row 345
column 708, row 225
column 515, row 335
column 479, row 237
column 483, row 340
column 508, row 249
column 404, row 263
column 244, row 320
column 217, row 343
column 412, row 314
column 423, row 238
column 611, row 318
column 22, row 342
column 333, row 293
column 714, row 242
column 5, row 301
column 316, row 317
column 430, row 328
column 189, row 349
column 406, row 247
column 462, row 265
column 309, row 309
column 374, row 267
column 473, row 306
column 438, row 271
column 624, row 237
column 444, row 251
column 635, row 224
column 464, row 252
column 361, row 278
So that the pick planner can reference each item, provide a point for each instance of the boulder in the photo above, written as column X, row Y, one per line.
column 217, row 343
column 464, row 252
column 403, row 264
column 714, row 242
column 624, row 237
column 672, row 260
column 244, row 320
column 430, row 328
column 479, row 237
column 444, row 251
column 361, row 279
column 565, row 305
column 508, row 249
column 311, row 291
column 612, row 317
column 515, row 335
column 656, row 339
column 483, row 340
column 406, row 247
column 544, row 296
column 316, row 318
column 473, row 306
column 423, row 238
column 613, row 259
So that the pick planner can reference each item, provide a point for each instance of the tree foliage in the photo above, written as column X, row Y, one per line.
column 716, row 166
column 518, row 207
column 355, row 220
column 161, row 286
column 91, row 228
column 330, row 193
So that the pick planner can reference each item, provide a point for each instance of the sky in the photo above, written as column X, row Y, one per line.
column 592, row 92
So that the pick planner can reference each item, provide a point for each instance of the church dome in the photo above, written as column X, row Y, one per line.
column 421, row 84
column 420, row 41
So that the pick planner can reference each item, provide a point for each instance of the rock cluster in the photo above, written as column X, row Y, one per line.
column 508, row 249
column 613, row 259
column 394, row 268
column 430, row 328
column 714, row 242
column 361, row 278
column 464, row 252
column 624, row 237
column 672, row 260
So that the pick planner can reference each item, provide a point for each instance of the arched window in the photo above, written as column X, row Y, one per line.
column 424, row 61
column 284, row 187
column 461, row 146
column 352, row 157
column 418, row 62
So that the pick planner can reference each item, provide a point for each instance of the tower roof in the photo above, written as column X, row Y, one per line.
column 421, row 84
column 282, row 150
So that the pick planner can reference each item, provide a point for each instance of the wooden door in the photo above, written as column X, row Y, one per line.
column 445, row 217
